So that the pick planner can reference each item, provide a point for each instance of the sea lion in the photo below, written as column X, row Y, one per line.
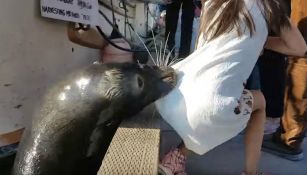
column 77, row 119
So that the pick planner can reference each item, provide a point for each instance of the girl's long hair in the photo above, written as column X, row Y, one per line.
column 215, row 22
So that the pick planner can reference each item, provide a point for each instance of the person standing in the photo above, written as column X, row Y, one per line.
column 272, row 72
column 272, row 68
column 171, row 20
column 286, row 142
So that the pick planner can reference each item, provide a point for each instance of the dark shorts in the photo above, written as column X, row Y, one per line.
column 272, row 68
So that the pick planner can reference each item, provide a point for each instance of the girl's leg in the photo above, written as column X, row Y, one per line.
column 254, row 134
column 253, row 141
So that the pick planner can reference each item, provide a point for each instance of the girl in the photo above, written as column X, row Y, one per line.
column 209, row 105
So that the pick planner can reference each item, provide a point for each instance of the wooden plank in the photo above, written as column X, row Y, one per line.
column 11, row 137
column 135, row 147
column 133, row 151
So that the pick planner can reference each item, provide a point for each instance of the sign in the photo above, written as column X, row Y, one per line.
column 81, row 11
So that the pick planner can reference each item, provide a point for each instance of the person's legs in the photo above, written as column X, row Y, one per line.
column 294, row 122
column 272, row 68
column 254, row 134
column 171, row 19
column 253, row 140
column 187, row 18
column 286, row 141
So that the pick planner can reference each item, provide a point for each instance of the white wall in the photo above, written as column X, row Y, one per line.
column 34, row 53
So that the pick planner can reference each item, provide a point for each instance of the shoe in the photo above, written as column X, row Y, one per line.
column 173, row 163
column 282, row 150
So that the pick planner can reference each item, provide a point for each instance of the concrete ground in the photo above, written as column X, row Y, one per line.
column 228, row 158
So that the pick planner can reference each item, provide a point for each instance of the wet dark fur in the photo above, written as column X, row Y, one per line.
column 73, row 127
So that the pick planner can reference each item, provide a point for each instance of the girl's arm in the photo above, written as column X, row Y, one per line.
column 290, row 42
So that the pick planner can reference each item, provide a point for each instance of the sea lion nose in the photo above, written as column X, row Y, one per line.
column 169, row 75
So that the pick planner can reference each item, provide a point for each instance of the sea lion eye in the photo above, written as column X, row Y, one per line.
column 137, row 84
column 140, row 81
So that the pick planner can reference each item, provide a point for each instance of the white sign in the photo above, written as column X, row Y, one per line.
column 81, row 11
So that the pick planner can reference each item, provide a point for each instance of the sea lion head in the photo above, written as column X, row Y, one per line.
column 131, row 87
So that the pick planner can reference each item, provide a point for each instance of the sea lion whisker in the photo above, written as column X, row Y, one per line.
column 153, row 37
column 145, row 47
column 174, row 61
column 168, row 57
column 165, row 44
column 160, row 55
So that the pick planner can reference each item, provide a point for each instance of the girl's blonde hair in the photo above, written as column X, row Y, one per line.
column 235, row 11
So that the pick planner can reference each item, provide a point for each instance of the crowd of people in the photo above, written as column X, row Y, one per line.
column 248, row 71
column 276, row 88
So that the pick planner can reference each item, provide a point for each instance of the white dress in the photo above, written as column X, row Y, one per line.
column 202, row 107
